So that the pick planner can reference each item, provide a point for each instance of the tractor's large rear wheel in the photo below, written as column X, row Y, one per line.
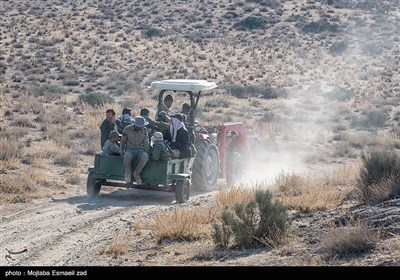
column 233, row 169
column 205, row 168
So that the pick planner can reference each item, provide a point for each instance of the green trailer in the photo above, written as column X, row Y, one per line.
column 172, row 175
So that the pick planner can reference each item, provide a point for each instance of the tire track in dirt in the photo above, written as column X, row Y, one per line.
column 70, row 231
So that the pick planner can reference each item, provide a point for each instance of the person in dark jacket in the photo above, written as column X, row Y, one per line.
column 124, row 119
column 179, row 137
column 107, row 126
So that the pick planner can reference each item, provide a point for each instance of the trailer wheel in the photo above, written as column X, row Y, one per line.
column 233, row 169
column 182, row 191
column 205, row 169
column 93, row 185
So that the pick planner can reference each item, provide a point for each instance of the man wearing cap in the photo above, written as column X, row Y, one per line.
column 111, row 147
column 159, row 150
column 135, row 144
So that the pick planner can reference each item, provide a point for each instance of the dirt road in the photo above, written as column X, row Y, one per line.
column 71, row 230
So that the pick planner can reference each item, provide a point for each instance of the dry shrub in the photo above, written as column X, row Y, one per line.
column 58, row 133
column 5, row 99
column 14, row 132
column 347, row 241
column 343, row 175
column 73, row 179
column 28, row 105
column 44, row 149
column 10, row 164
column 9, row 148
column 234, row 195
column 90, row 144
column 380, row 191
column 119, row 246
column 66, row 158
column 22, row 188
column 379, row 177
column 218, row 101
column 93, row 121
column 23, row 121
column 59, row 116
column 181, row 224
column 17, row 185
column 306, row 194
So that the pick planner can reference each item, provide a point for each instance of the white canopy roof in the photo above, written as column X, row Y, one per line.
column 183, row 85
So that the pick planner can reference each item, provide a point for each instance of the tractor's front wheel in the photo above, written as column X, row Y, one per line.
column 205, row 168
column 93, row 185
column 233, row 169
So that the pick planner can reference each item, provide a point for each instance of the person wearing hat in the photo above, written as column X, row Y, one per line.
column 124, row 119
column 111, row 147
column 135, row 144
column 159, row 150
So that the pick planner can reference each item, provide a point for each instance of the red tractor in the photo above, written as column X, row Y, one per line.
column 220, row 148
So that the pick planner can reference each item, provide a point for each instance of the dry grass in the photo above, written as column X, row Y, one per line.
column 235, row 195
column 7, row 165
column 118, row 246
column 28, row 105
column 306, row 194
column 66, row 158
column 34, row 183
column 23, row 121
column 349, row 241
column 182, row 224
column 22, row 188
column 9, row 148
column 380, row 191
column 45, row 149
column 342, row 175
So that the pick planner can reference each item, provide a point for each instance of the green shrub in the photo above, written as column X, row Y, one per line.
column 372, row 118
column 372, row 48
column 320, row 26
column 259, row 222
column 153, row 32
column 373, row 6
column 47, row 90
column 339, row 94
column 96, row 99
column 250, row 23
column 337, row 48
column 379, row 176
column 266, row 92
column 275, row 4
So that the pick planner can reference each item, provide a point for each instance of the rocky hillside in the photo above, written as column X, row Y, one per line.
column 317, row 81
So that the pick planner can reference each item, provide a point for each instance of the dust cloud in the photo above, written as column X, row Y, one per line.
column 303, row 131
